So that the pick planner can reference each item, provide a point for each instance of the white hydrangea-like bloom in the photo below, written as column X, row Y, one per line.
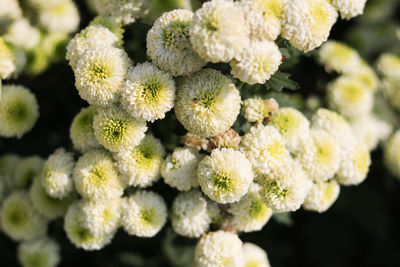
column 257, row 63
column 79, row 233
column 49, row 207
column 22, row 34
column 219, row 249
column 57, row 174
column 43, row 252
column 168, row 44
column 189, row 214
column 82, row 132
column 207, row 103
column 292, row 125
column 355, row 163
column 254, row 256
column 307, row 23
column 100, row 73
column 320, row 155
column 95, row 176
column 19, row 220
column 288, row 190
column 266, row 149
column 26, row 169
column 392, row 92
column 140, row 166
column 125, row 11
column 179, row 169
column 389, row 66
column 250, row 213
column 225, row 176
column 350, row 97
column 8, row 60
column 322, row 195
column 116, row 130
column 19, row 111
column 392, row 154
column 339, row 57
column 256, row 109
column 10, row 11
column 144, row 214
column 89, row 38
column 349, row 8
column 148, row 92
column 263, row 17
column 218, row 31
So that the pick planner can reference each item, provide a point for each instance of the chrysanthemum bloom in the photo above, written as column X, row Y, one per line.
column 168, row 44
column 263, row 17
column 350, row 97
column 218, row 31
column 355, row 163
column 100, row 74
column 112, row 24
column 257, row 63
column 82, row 132
column 140, row 166
column 179, row 169
column 19, row 220
column 256, row 109
column 292, row 125
column 254, row 256
column 287, row 191
column 207, row 103
column 144, row 214
column 320, row 155
column 22, row 34
column 43, row 252
column 7, row 168
column 8, row 60
column 26, row 169
column 10, row 12
column 89, row 38
column 371, row 130
column 116, row 130
column 250, row 213
column 101, row 217
column 79, row 233
column 392, row 154
column 365, row 74
column 148, row 92
column 339, row 57
column 19, row 111
column 230, row 139
column 307, row 23
column 266, row 149
column 219, row 249
column 96, row 177
column 349, row 8
column 49, row 207
column 389, row 66
column 189, row 215
column 125, row 11
column 321, row 196
column 57, row 174
column 391, row 89
column 225, row 176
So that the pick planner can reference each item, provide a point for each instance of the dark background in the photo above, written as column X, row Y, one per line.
column 361, row 229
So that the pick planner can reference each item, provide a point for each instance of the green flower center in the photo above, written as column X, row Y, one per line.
column 86, row 121
column 271, row 7
column 257, row 209
column 176, row 36
column 17, row 111
column 37, row 259
column 222, row 181
column 285, row 122
column 99, row 72
column 18, row 216
column 97, row 175
column 147, row 216
column 151, row 91
column 83, row 234
column 276, row 190
column 114, row 130
column 324, row 153
column 352, row 92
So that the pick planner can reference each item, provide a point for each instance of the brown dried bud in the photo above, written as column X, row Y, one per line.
column 192, row 140
column 230, row 139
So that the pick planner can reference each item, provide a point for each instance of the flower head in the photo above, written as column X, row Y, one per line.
column 389, row 66
column 8, row 60
column 26, row 169
column 321, row 196
column 339, row 57
column 22, row 34
column 125, row 11
column 256, row 109
column 254, row 256
column 349, row 8
column 43, row 252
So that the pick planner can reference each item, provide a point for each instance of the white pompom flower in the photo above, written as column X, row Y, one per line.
column 43, row 252
column 254, row 256
column 349, row 8
column 322, row 196
column 257, row 109
column 22, row 34
column 125, row 11
column 389, row 66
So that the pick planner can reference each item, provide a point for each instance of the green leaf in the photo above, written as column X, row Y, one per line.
column 279, row 81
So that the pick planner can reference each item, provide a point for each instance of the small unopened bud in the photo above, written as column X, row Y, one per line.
column 230, row 139
column 192, row 140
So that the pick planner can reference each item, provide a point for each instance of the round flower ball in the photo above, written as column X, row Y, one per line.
column 26, row 169
column 207, row 103
column 148, row 92
column 43, row 252
column 8, row 64
column 349, row 8
column 168, row 44
column 257, row 109
column 392, row 154
column 225, row 176
column 124, row 11
column 19, row 111
column 389, row 66
column 339, row 57
column 322, row 196
column 254, row 256
column 82, row 132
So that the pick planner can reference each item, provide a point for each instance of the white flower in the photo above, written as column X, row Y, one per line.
column 365, row 74
column 144, row 214
column 322, row 195
column 26, row 169
column 254, row 256
column 218, row 31
column 307, row 23
column 207, row 103
column 389, row 66
column 349, row 8
column 179, row 170
column 22, row 34
column 392, row 154
column 140, row 166
column 43, row 252
column 148, row 92
column 219, row 249
column 8, row 61
column 168, row 44
column 125, row 11
column 256, row 109
column 257, row 63
column 225, row 176
column 189, row 214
